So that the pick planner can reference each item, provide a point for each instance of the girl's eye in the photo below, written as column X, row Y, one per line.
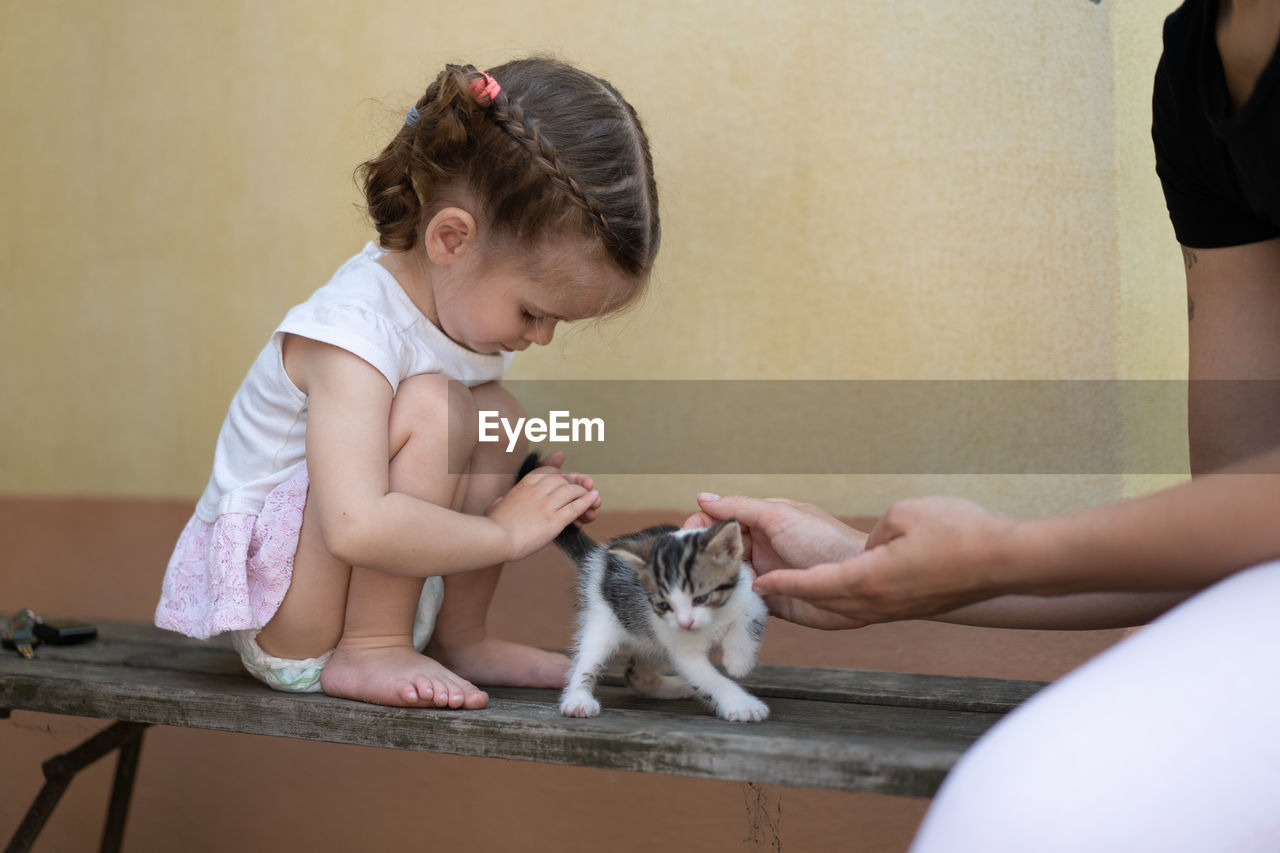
column 700, row 599
column 528, row 318
column 663, row 606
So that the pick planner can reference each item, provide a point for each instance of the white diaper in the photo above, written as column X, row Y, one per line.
column 303, row 676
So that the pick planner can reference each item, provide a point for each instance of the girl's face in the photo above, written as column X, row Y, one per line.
column 507, row 303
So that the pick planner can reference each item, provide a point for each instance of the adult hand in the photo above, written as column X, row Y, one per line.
column 925, row 556
column 780, row 534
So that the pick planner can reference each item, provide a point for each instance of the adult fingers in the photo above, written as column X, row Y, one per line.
column 885, row 531
column 749, row 511
column 827, row 580
column 804, row 613
column 696, row 521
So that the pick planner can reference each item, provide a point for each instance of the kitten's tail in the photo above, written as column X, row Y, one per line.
column 571, row 540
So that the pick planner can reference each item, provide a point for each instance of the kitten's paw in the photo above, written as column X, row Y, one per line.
column 746, row 709
column 579, row 705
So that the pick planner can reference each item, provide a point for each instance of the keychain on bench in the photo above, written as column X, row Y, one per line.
column 26, row 631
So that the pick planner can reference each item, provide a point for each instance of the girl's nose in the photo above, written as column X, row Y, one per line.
column 542, row 333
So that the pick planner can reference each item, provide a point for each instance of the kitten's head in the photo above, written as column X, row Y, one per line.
column 686, row 574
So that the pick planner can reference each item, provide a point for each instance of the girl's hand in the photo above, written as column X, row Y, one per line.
column 926, row 556
column 555, row 459
column 540, row 506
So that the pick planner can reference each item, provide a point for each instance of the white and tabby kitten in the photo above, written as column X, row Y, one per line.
column 672, row 597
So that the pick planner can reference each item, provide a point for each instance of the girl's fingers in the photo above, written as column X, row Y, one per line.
column 576, row 507
column 580, row 479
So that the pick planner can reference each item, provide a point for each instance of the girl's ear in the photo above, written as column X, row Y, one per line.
column 450, row 235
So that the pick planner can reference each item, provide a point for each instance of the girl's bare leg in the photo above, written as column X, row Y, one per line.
column 461, row 640
column 369, row 614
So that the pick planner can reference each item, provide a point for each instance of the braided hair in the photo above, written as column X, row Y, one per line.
column 555, row 150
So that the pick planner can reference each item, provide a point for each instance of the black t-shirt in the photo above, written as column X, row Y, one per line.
column 1220, row 171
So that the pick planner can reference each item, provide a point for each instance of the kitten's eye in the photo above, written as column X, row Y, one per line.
column 700, row 599
column 663, row 607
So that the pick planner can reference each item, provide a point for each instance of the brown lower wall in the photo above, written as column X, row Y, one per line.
column 209, row 791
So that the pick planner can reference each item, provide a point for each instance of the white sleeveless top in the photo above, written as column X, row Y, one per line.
column 362, row 310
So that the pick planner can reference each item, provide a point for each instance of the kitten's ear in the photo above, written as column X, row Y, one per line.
column 724, row 541
column 635, row 553
column 637, row 557
column 628, row 554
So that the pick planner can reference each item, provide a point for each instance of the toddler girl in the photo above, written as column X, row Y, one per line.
column 349, row 469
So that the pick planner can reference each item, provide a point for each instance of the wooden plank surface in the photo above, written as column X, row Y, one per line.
column 893, row 733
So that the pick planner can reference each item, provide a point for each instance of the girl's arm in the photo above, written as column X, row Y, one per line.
column 364, row 523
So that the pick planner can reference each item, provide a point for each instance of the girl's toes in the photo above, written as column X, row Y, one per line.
column 409, row 693
column 425, row 692
column 455, row 694
column 441, row 693
column 474, row 698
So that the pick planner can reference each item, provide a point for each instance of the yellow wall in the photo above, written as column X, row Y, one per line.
column 851, row 190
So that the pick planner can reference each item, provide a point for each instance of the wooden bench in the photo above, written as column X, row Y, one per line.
column 884, row 732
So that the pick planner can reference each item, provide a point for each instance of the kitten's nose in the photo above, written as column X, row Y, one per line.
column 685, row 621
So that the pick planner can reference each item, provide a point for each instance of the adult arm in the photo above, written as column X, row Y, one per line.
column 783, row 534
column 1233, row 312
column 1233, row 307
column 932, row 555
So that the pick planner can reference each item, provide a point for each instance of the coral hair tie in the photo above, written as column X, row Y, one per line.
column 485, row 89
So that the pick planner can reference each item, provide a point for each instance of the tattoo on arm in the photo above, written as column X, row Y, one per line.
column 1189, row 258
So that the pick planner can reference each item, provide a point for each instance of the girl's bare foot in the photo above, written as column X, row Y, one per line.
column 497, row 663
column 388, row 671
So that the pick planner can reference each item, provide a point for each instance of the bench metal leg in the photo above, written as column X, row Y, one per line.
column 61, row 769
column 122, row 792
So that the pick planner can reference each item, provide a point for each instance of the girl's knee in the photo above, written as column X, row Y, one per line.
column 494, row 457
column 436, row 406
column 492, row 397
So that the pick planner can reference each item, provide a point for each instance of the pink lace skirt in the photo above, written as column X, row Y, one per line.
column 231, row 575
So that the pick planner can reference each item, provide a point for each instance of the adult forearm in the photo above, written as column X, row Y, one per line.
column 1085, row 611
column 1183, row 538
